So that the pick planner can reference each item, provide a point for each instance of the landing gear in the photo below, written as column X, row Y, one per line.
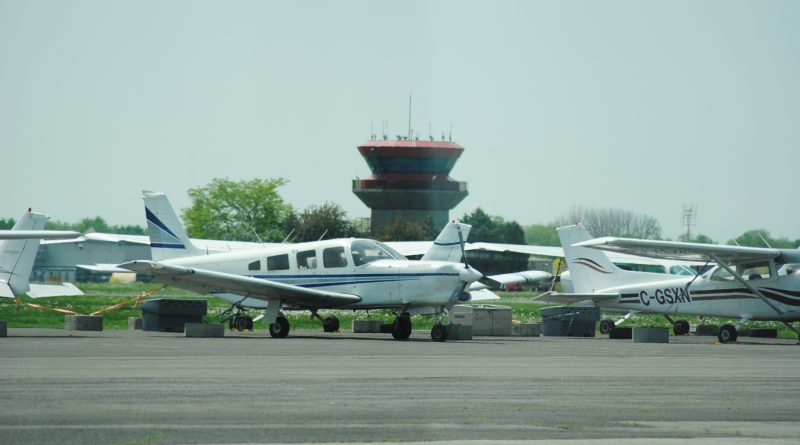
column 240, row 322
column 279, row 329
column 439, row 333
column 401, row 328
column 330, row 324
column 727, row 333
column 606, row 326
column 681, row 327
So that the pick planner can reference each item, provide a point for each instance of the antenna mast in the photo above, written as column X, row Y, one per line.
column 689, row 219
column 409, row 117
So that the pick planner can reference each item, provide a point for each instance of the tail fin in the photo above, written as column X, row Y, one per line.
column 447, row 246
column 17, row 256
column 590, row 269
column 168, row 238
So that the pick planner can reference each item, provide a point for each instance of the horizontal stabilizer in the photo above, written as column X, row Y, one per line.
column 53, row 290
column 102, row 268
column 5, row 290
column 482, row 295
column 565, row 298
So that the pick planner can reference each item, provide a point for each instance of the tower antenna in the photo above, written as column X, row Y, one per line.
column 689, row 219
column 409, row 116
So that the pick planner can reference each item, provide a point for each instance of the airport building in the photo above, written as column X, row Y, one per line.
column 410, row 180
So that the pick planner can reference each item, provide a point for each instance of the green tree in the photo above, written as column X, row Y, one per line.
column 237, row 210
column 494, row 229
column 404, row 230
column 761, row 238
column 7, row 223
column 328, row 219
column 542, row 235
column 699, row 238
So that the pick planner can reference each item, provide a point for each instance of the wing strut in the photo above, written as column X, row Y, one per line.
column 741, row 280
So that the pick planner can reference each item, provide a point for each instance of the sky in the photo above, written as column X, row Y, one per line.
column 639, row 105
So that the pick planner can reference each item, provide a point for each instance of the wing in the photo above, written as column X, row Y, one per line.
column 53, row 290
column 682, row 251
column 496, row 281
column 567, row 299
column 210, row 282
column 38, row 234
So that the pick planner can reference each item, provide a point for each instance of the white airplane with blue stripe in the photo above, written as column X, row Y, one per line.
column 339, row 273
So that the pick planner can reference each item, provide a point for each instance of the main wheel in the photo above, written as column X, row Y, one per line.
column 249, row 319
column 681, row 327
column 279, row 329
column 330, row 324
column 401, row 328
column 439, row 333
column 727, row 333
column 239, row 322
column 606, row 326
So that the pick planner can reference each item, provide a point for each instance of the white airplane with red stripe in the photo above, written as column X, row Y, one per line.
column 745, row 283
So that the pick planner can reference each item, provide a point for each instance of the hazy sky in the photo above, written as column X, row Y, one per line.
column 641, row 105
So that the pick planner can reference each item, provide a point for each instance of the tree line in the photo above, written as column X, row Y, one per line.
column 254, row 210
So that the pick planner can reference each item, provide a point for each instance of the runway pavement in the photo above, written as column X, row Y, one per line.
column 134, row 387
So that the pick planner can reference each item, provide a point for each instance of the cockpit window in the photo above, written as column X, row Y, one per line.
column 367, row 251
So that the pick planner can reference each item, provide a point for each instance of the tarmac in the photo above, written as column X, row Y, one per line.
column 134, row 387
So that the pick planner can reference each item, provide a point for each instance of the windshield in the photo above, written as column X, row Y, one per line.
column 367, row 251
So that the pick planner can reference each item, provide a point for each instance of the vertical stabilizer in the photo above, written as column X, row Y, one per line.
column 168, row 237
column 447, row 246
column 17, row 256
column 589, row 269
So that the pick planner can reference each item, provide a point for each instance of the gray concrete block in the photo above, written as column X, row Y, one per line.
column 621, row 333
column 763, row 332
column 650, row 335
column 460, row 314
column 526, row 330
column 83, row 323
column 3, row 328
column 707, row 330
column 492, row 320
column 203, row 330
column 367, row 326
column 459, row 332
column 134, row 323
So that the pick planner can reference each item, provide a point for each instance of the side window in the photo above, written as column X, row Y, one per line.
column 334, row 257
column 278, row 262
column 307, row 259
column 255, row 265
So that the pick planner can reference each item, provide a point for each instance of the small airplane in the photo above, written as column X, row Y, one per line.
column 747, row 283
column 18, row 248
column 352, row 273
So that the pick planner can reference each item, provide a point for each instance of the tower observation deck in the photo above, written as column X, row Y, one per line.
column 410, row 180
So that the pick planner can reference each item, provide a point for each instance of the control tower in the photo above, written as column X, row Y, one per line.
column 410, row 180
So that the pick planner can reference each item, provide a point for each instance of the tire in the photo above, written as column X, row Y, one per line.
column 606, row 326
column 727, row 333
column 401, row 328
column 681, row 327
column 249, row 319
column 330, row 324
column 239, row 322
column 439, row 333
column 279, row 329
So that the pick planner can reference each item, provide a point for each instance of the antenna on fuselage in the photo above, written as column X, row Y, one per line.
column 287, row 237
column 765, row 241
column 323, row 235
column 257, row 237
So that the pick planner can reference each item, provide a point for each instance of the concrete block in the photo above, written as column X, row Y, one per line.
column 491, row 320
column 650, row 335
column 3, row 328
column 526, row 330
column 459, row 332
column 134, row 323
column 367, row 326
column 203, row 330
column 707, row 330
column 461, row 314
column 83, row 323
column 763, row 332
column 621, row 333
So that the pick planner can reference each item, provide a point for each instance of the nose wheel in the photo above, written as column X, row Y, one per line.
column 330, row 324
column 401, row 328
column 241, row 322
column 439, row 333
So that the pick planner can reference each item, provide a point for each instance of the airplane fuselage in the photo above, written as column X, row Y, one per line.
column 709, row 297
column 382, row 279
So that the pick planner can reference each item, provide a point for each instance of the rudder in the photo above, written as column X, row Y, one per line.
column 168, row 238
